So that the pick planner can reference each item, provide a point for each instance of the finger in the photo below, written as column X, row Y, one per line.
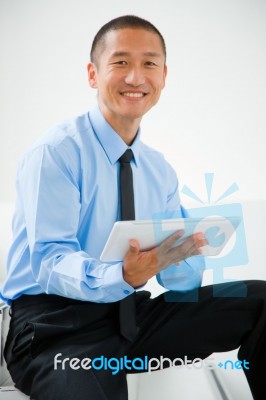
column 189, row 247
column 134, row 246
column 198, row 236
column 196, row 240
column 200, row 240
column 196, row 252
column 170, row 241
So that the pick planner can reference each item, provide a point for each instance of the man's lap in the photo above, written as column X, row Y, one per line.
column 173, row 325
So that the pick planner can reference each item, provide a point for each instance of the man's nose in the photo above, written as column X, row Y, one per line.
column 135, row 77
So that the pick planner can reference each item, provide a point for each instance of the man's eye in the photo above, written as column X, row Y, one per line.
column 150, row 64
column 121, row 62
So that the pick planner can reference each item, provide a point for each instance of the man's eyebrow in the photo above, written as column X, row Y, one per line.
column 127, row 53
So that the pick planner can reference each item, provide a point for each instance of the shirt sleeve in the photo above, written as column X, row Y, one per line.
column 188, row 274
column 48, row 182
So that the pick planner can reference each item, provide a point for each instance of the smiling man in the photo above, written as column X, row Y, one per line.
column 129, row 72
column 73, row 316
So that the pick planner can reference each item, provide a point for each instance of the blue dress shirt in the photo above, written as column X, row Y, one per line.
column 67, row 203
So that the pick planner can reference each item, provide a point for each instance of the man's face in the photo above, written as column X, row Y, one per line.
column 129, row 75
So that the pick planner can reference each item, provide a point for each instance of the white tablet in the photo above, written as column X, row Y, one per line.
column 150, row 233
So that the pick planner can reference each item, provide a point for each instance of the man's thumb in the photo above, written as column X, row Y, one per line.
column 134, row 246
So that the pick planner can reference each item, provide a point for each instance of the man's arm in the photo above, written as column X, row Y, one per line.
column 50, row 196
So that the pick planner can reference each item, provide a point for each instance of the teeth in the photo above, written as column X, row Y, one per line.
column 129, row 94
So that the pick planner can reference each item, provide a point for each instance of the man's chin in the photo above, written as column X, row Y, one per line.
column 135, row 112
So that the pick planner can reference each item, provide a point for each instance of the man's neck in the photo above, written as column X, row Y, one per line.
column 127, row 132
column 126, row 128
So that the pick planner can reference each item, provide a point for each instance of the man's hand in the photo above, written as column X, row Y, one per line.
column 140, row 266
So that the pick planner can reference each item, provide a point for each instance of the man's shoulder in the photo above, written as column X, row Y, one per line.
column 66, row 137
column 150, row 151
column 68, row 130
column 156, row 160
column 153, row 154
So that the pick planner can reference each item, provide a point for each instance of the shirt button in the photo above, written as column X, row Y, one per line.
column 126, row 291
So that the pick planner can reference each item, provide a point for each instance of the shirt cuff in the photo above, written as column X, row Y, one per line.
column 116, row 287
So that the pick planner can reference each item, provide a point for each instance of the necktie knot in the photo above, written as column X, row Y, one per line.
column 126, row 157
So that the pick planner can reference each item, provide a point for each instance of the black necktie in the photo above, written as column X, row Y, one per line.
column 128, row 327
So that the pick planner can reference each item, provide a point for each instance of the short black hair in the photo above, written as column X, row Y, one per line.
column 125, row 21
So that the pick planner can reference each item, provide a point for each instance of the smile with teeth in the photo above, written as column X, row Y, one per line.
column 133, row 94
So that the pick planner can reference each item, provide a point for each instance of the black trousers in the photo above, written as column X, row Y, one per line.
column 45, row 328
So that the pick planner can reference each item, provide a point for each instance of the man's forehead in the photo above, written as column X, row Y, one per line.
column 126, row 40
column 128, row 31
column 122, row 53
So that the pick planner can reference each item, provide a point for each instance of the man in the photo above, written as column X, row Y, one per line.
column 67, row 306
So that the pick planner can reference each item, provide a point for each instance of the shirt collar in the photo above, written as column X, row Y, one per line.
column 112, row 143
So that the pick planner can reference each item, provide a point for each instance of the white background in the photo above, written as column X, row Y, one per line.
column 211, row 117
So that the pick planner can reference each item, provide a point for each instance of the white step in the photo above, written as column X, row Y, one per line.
column 11, row 393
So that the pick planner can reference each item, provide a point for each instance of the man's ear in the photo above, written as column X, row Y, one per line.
column 92, row 75
column 164, row 75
